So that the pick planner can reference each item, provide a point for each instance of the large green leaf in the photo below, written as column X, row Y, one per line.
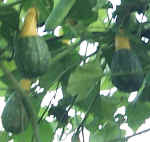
column 103, row 109
column 45, row 133
column 83, row 80
column 58, row 14
column 106, row 109
column 137, row 114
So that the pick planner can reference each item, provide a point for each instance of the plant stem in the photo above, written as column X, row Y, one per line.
column 25, row 100
column 89, row 108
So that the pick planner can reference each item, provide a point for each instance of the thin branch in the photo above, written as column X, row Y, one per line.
column 92, row 54
column 128, row 137
column 48, row 104
column 83, row 134
column 139, row 133
column 25, row 100
column 73, row 101
column 89, row 108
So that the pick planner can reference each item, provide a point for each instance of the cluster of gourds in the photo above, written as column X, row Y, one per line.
column 32, row 60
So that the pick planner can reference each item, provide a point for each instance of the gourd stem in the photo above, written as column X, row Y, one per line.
column 25, row 100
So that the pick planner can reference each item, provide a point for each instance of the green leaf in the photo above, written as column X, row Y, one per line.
column 58, row 14
column 11, row 66
column 81, row 15
column 28, row 4
column 107, row 108
column 83, row 80
column 99, row 25
column 108, row 132
column 9, row 16
column 4, row 137
column 106, row 83
column 100, row 4
column 26, row 136
column 45, row 133
column 59, row 69
column 10, row 22
column 121, row 98
column 44, row 8
column 137, row 114
column 92, row 123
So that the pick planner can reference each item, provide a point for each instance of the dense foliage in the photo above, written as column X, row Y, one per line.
column 70, row 27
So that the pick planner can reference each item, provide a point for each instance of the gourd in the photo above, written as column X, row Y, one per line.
column 14, row 116
column 31, row 52
column 127, row 73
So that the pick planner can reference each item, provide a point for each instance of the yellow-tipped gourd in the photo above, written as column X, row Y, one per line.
column 31, row 54
column 30, row 24
column 127, row 72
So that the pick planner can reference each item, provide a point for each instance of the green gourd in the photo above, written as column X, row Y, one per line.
column 127, row 72
column 14, row 117
column 31, row 52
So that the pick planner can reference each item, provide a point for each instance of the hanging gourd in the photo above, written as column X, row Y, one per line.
column 31, row 52
column 127, row 73
column 14, row 116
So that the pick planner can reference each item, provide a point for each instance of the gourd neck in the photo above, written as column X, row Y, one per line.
column 30, row 24
column 121, row 41
column 25, row 84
